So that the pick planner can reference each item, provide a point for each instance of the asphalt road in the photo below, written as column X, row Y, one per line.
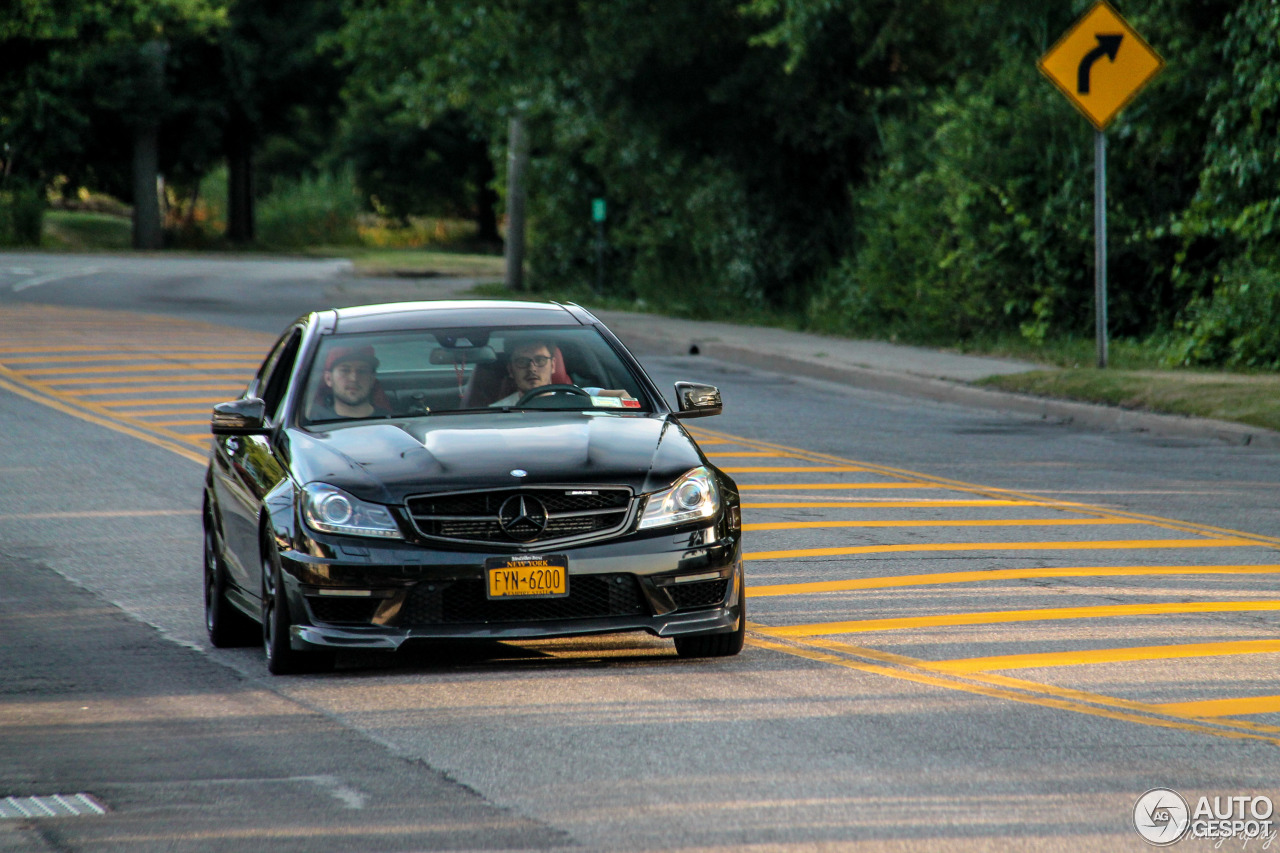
column 969, row 630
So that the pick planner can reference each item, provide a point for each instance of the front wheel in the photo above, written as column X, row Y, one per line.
column 718, row 645
column 282, row 657
column 226, row 625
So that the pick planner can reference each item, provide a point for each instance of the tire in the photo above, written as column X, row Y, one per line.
column 721, row 645
column 226, row 625
column 282, row 658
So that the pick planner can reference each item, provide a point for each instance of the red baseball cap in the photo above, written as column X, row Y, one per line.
column 340, row 354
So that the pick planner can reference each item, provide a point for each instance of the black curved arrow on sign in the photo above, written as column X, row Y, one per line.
column 1108, row 46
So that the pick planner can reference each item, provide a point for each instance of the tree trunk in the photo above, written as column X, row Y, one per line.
column 240, row 225
column 147, row 233
column 487, row 206
column 518, row 159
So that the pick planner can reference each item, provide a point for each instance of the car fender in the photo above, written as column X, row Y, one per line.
column 279, row 514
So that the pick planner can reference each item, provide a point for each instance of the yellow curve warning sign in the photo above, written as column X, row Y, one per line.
column 1101, row 64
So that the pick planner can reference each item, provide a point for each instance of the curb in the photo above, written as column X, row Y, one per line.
column 1089, row 415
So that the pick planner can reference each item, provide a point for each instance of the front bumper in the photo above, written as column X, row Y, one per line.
column 365, row 594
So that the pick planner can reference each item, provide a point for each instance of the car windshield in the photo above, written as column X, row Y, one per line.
column 439, row 371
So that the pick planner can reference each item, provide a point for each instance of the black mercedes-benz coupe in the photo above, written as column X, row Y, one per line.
column 468, row 469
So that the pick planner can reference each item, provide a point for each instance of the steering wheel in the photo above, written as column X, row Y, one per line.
column 550, row 389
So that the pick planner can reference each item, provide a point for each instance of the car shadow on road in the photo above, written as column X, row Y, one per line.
column 426, row 657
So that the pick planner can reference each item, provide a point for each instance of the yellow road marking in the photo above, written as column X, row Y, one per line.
column 81, row 412
column 155, row 402
column 1002, row 574
column 126, row 355
column 760, row 453
column 883, row 504
column 1212, row 726
column 108, row 513
column 917, row 482
column 193, row 422
column 801, row 487
column 961, row 486
column 136, row 368
column 221, row 386
column 131, row 382
column 1224, row 707
column 1025, row 697
column 1000, row 546
column 145, row 417
column 990, row 522
column 998, row 617
column 791, row 469
column 125, row 348
column 1095, row 656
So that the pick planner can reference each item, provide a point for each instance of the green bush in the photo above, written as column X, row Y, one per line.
column 21, row 216
column 977, row 222
column 1237, row 326
column 312, row 211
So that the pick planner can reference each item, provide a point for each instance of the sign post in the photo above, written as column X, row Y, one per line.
column 1100, row 64
column 598, row 214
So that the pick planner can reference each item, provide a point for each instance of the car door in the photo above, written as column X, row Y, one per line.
column 246, row 467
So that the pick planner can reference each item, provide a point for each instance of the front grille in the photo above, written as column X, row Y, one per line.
column 464, row 602
column 546, row 515
column 700, row 594
column 341, row 610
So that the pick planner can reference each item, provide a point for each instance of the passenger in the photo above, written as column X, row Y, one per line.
column 350, row 382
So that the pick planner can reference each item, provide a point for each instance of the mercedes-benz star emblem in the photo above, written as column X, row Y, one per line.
column 522, row 518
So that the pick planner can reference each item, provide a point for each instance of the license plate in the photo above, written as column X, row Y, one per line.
column 527, row 577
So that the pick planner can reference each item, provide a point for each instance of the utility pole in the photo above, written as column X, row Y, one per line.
column 517, row 164
column 239, row 150
column 598, row 213
column 147, row 233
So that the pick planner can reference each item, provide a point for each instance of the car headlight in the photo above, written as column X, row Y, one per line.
column 331, row 510
column 691, row 498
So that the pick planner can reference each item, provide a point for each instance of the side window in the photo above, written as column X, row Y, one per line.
column 273, row 378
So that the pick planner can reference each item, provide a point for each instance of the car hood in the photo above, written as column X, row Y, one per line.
column 387, row 461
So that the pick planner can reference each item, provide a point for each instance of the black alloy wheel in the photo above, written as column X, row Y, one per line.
column 226, row 625
column 282, row 658
column 718, row 645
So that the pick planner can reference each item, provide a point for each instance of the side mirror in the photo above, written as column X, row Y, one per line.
column 697, row 401
column 246, row 416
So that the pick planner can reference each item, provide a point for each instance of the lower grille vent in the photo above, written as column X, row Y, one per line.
column 341, row 610
column 701, row 594
column 464, row 602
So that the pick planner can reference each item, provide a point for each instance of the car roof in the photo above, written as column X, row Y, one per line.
column 399, row 316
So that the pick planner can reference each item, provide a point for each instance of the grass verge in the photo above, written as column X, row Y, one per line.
column 77, row 231
column 1248, row 399
column 412, row 263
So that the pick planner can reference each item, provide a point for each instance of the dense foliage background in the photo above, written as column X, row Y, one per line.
column 871, row 167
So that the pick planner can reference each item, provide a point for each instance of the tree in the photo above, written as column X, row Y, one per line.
column 77, row 76
column 282, row 88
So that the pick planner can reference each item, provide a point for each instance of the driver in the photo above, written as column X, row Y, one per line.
column 530, row 365
column 350, row 378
